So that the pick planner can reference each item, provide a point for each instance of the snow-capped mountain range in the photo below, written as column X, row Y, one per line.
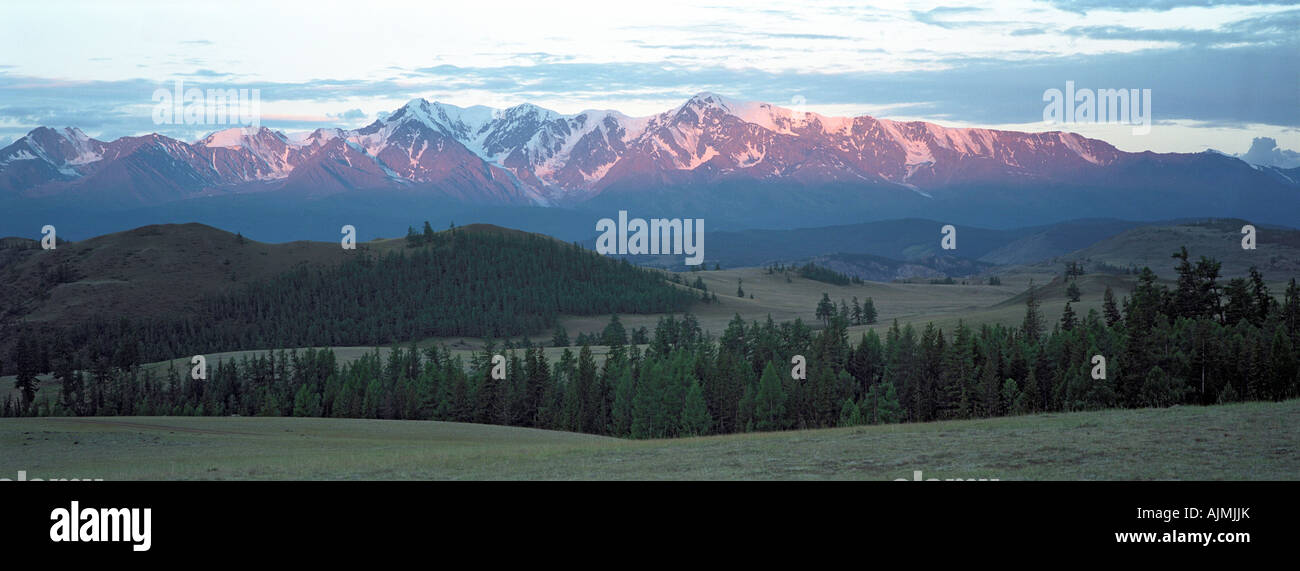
column 530, row 155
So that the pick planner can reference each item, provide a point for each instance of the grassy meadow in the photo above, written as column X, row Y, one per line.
column 1249, row 441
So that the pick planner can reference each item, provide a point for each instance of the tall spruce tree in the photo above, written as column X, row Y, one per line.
column 825, row 309
column 695, row 419
column 1032, row 327
column 1109, row 309
column 1068, row 318
column 770, row 401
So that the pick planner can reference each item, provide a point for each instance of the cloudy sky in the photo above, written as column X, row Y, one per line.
column 1221, row 73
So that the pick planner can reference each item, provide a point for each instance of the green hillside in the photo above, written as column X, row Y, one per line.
column 1277, row 253
column 159, row 292
column 151, row 271
column 1253, row 441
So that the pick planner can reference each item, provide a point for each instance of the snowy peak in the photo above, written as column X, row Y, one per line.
column 461, row 123
column 527, row 112
column 45, row 156
column 65, row 149
column 315, row 138
column 532, row 153
column 338, row 165
column 524, row 134
column 450, row 120
column 244, row 137
column 245, row 154
column 571, row 156
column 414, row 110
column 766, row 115
column 710, row 100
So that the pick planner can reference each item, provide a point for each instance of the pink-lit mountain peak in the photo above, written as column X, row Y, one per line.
column 246, row 136
column 543, row 156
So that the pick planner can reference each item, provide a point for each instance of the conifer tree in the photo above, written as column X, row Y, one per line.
column 70, row 385
column 1291, row 312
column 25, row 359
column 1282, row 369
column 1160, row 389
column 695, row 419
column 1068, row 318
column 957, row 376
column 849, row 414
column 887, row 408
column 623, row 411
column 1264, row 301
column 588, row 393
column 770, row 401
column 1032, row 328
column 1109, row 309
column 825, row 309
column 538, row 374
column 1009, row 394
column 614, row 334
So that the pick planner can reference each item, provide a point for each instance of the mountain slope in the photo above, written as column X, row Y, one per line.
column 1056, row 240
column 747, row 163
column 174, row 290
column 881, row 269
column 1277, row 253
column 151, row 271
column 903, row 240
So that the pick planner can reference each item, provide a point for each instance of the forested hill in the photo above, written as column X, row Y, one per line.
column 161, row 270
column 478, row 281
column 482, row 282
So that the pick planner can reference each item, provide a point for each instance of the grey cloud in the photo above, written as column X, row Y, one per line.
column 1218, row 86
column 1264, row 151
column 207, row 73
column 1082, row 6
column 803, row 36
column 937, row 16
column 1265, row 29
column 543, row 57
column 702, row 46
column 351, row 115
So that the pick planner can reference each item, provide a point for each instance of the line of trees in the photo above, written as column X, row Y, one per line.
column 812, row 271
column 826, row 275
column 857, row 314
column 1195, row 344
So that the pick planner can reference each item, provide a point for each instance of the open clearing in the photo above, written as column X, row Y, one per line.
column 1251, row 441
